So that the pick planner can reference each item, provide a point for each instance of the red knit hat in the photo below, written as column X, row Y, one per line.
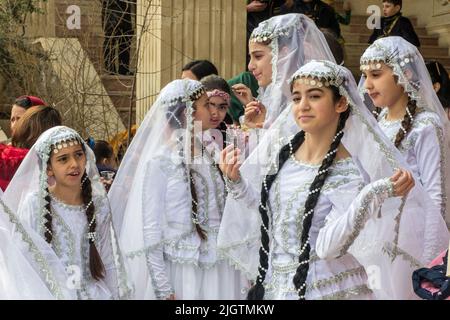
column 30, row 101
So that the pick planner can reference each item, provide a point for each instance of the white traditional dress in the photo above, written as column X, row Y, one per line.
column 27, row 193
column 152, row 203
column 72, row 247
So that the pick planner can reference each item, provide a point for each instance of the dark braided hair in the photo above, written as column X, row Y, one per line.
column 95, row 262
column 48, row 218
column 407, row 122
column 257, row 291
column 201, row 233
column 311, row 201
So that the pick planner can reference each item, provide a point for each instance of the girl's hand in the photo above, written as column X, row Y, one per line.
column 255, row 114
column 243, row 93
column 106, row 183
column 229, row 163
column 403, row 182
column 171, row 297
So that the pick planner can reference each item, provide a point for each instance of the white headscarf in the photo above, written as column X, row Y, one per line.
column 166, row 131
column 409, row 68
column 403, row 238
column 294, row 40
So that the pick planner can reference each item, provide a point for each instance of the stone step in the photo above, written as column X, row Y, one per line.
column 362, row 28
column 117, row 82
column 359, row 48
column 363, row 38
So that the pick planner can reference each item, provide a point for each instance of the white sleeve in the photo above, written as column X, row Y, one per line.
column 428, row 150
column 154, row 200
column 27, row 211
column 106, row 250
column 243, row 191
column 342, row 225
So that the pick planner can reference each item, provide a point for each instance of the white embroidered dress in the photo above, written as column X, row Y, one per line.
column 423, row 149
column 70, row 243
column 186, row 265
column 339, row 278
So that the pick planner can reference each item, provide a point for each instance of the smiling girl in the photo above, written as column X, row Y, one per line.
column 57, row 192
column 319, row 191
column 277, row 48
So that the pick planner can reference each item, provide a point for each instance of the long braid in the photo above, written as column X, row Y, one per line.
column 257, row 291
column 407, row 122
column 95, row 262
column 201, row 233
column 48, row 217
column 310, row 203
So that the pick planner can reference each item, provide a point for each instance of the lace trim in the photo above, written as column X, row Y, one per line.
column 337, row 278
column 39, row 258
column 393, row 251
column 63, row 205
column 349, row 293
column 363, row 211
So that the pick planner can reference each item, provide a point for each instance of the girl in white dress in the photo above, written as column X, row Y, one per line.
column 397, row 85
column 57, row 192
column 319, row 191
column 168, row 198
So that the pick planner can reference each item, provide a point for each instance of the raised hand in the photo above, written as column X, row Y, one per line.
column 403, row 182
column 255, row 114
column 229, row 162
column 243, row 93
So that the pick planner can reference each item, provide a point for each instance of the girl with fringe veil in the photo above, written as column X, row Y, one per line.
column 397, row 87
column 57, row 192
column 329, row 202
column 167, row 200
column 277, row 48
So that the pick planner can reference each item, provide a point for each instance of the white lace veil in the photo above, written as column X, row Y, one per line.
column 294, row 40
column 408, row 66
column 31, row 178
column 165, row 132
column 394, row 237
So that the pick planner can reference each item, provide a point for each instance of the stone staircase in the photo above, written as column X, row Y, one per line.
column 91, row 37
column 357, row 34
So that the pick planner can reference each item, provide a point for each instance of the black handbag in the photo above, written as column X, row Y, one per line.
column 437, row 277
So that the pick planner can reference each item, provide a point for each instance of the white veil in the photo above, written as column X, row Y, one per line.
column 398, row 236
column 408, row 66
column 294, row 40
column 165, row 132
column 31, row 178
column 27, row 271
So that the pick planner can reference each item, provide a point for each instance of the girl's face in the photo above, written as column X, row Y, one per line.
column 202, row 112
column 218, row 107
column 314, row 108
column 382, row 87
column 260, row 63
column 16, row 113
column 68, row 166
